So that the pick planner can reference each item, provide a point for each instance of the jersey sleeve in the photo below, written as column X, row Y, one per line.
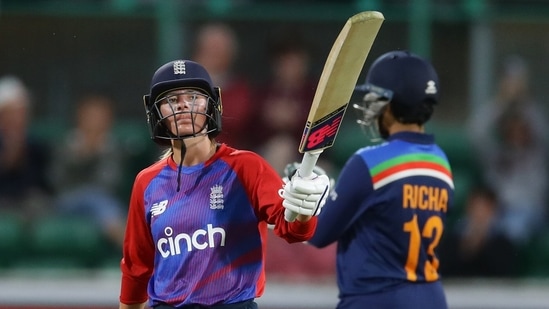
column 343, row 205
column 263, row 184
column 138, row 250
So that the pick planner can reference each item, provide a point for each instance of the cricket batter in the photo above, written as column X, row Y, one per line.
column 197, row 222
column 389, row 205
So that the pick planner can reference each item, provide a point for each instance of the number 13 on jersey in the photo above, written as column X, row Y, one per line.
column 432, row 229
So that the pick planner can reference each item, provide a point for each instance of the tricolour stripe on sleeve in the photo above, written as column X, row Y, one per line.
column 411, row 165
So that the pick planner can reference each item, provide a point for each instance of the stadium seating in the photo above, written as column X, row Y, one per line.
column 72, row 242
column 55, row 242
column 12, row 239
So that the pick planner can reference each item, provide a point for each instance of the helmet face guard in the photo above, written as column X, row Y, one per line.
column 177, row 75
column 370, row 109
column 157, row 120
column 406, row 82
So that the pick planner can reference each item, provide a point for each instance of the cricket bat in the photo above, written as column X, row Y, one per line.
column 335, row 87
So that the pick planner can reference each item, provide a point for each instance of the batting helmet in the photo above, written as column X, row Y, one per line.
column 174, row 75
column 407, row 81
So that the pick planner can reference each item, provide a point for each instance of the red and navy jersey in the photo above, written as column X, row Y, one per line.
column 204, row 244
column 387, row 214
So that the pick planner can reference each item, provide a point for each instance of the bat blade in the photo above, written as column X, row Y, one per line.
column 335, row 87
column 338, row 80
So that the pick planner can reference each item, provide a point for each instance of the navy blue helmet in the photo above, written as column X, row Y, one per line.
column 175, row 75
column 405, row 81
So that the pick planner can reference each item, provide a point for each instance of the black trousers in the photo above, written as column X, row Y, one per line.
column 248, row 304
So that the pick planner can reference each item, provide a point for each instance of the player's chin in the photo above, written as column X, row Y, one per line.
column 182, row 130
column 185, row 130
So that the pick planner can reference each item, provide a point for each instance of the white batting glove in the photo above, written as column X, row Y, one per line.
column 306, row 196
column 291, row 169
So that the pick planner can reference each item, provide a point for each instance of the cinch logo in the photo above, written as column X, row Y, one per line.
column 158, row 208
column 200, row 239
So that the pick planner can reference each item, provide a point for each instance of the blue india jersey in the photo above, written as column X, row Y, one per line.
column 387, row 214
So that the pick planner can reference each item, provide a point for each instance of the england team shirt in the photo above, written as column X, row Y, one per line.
column 207, row 240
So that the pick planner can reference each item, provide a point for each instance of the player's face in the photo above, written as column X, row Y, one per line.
column 384, row 121
column 184, row 111
column 370, row 113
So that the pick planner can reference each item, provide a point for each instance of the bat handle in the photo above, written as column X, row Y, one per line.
column 305, row 170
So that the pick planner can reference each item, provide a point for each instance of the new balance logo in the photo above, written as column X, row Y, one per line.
column 158, row 208
column 325, row 133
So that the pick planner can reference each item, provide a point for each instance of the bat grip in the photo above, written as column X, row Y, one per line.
column 305, row 170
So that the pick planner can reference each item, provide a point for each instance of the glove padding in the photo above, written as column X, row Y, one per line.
column 306, row 196
column 291, row 169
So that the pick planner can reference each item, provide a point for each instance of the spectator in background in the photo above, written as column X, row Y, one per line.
column 509, row 136
column 284, row 102
column 216, row 49
column 24, row 189
column 88, row 166
column 478, row 246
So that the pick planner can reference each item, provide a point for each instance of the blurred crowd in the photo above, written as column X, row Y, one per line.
column 85, row 174
column 503, row 222
column 76, row 175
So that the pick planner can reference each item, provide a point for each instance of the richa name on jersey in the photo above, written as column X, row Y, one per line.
column 425, row 197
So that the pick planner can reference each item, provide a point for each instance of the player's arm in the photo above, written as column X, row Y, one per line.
column 344, row 204
column 264, row 189
column 138, row 252
column 134, row 306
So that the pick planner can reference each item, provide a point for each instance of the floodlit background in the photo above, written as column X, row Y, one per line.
column 64, row 50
